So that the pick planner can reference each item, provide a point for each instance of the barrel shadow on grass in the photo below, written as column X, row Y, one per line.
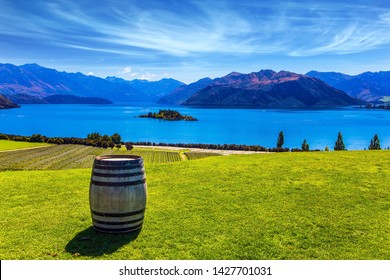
column 92, row 243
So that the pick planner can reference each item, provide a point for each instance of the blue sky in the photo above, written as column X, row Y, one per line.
column 191, row 39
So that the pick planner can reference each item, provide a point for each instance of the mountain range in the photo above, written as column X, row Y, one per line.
column 40, row 82
column 31, row 83
column 368, row 86
column 266, row 89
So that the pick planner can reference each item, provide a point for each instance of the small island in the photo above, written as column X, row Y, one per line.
column 169, row 115
column 381, row 106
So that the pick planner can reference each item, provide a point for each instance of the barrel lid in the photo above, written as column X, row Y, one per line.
column 118, row 160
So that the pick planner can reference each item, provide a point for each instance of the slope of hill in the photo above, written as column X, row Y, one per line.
column 368, row 86
column 184, row 92
column 268, row 88
column 72, row 99
column 156, row 88
column 5, row 103
column 24, row 98
column 152, row 90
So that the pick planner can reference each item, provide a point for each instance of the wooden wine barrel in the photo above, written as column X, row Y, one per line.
column 117, row 193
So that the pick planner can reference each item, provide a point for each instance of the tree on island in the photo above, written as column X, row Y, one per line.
column 280, row 141
column 305, row 146
column 339, row 145
column 375, row 143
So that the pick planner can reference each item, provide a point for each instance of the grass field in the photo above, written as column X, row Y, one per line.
column 19, row 155
column 77, row 156
column 6, row 145
column 194, row 155
column 322, row 205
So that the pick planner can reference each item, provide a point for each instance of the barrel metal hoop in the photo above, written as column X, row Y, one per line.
column 118, row 223
column 126, row 214
column 119, row 162
column 117, row 174
column 117, row 229
column 118, row 184
column 118, row 167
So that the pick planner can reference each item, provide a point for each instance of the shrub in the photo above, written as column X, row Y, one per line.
column 116, row 138
column 4, row 137
column 37, row 138
column 129, row 146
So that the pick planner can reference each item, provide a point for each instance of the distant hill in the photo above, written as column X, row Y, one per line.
column 182, row 93
column 368, row 86
column 41, row 82
column 56, row 99
column 269, row 89
column 5, row 103
column 72, row 99
column 24, row 98
column 152, row 90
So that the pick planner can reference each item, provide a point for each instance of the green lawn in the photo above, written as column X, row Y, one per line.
column 322, row 205
column 6, row 145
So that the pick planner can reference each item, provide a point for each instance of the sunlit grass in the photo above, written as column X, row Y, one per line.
column 325, row 205
column 6, row 145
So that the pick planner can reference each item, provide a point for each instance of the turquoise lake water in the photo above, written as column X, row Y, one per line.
column 216, row 126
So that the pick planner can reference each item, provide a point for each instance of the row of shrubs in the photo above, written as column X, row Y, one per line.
column 105, row 141
column 206, row 146
column 97, row 140
column 94, row 139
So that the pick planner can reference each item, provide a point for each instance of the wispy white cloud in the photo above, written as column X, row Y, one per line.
column 128, row 73
column 126, row 70
column 296, row 28
column 385, row 17
column 192, row 33
column 352, row 38
column 147, row 76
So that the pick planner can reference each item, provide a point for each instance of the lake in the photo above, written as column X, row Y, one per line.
column 215, row 126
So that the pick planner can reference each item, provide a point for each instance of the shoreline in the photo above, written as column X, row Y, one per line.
column 199, row 150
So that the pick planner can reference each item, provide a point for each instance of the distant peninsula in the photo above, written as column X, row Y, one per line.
column 72, row 99
column 169, row 115
column 22, row 98
column 383, row 106
column 5, row 103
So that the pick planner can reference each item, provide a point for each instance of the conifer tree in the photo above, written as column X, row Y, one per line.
column 375, row 143
column 280, row 142
column 339, row 145
column 305, row 146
